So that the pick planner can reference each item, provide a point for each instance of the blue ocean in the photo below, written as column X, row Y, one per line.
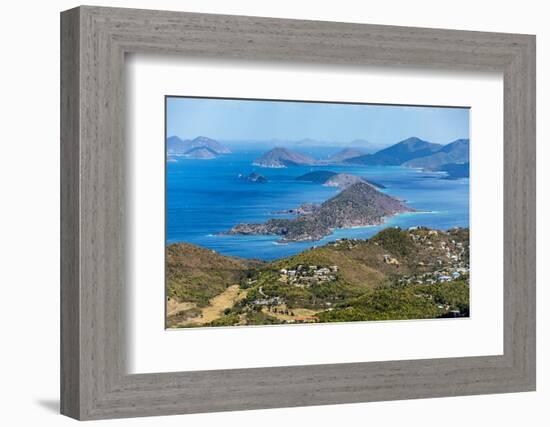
column 205, row 198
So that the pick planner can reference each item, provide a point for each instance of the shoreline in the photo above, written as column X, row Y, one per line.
column 323, row 241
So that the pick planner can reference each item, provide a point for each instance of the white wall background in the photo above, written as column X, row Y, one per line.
column 29, row 224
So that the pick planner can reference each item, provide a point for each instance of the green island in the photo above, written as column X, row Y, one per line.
column 418, row 273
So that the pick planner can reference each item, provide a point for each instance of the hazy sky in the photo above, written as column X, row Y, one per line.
column 263, row 120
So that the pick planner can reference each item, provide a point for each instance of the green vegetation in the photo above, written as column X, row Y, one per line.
column 413, row 302
column 227, row 320
column 195, row 274
column 394, row 240
column 455, row 294
column 249, row 318
column 259, row 318
column 397, row 274
column 383, row 304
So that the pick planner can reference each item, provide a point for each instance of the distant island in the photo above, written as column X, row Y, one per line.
column 412, row 152
column 254, row 177
column 333, row 179
column 281, row 158
column 201, row 153
column 199, row 148
column 416, row 153
column 455, row 152
column 358, row 205
column 362, row 145
column 318, row 177
column 345, row 154
column 397, row 154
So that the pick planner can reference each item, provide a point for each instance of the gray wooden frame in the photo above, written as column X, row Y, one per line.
column 94, row 41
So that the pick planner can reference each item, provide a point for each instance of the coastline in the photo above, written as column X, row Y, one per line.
column 442, row 203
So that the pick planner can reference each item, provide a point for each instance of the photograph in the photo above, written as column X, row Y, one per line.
column 284, row 212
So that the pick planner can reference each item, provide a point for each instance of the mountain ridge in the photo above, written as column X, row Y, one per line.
column 456, row 152
column 344, row 154
column 398, row 153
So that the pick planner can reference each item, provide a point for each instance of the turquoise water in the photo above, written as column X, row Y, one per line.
column 206, row 197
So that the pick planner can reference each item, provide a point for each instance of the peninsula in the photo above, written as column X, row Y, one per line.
column 358, row 205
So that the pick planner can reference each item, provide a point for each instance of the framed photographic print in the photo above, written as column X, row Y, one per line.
column 261, row 213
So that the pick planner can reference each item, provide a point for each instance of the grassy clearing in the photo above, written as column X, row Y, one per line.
column 298, row 313
column 216, row 307
column 173, row 307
